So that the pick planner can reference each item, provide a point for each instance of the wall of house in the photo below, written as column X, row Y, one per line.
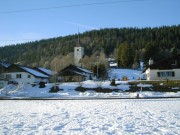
column 153, row 74
column 73, row 78
column 25, row 77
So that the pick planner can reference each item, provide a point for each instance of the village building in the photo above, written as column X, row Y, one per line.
column 112, row 63
column 167, row 69
column 24, row 74
column 74, row 73
column 78, row 55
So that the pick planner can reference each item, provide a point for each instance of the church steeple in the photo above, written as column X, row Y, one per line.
column 78, row 41
column 78, row 38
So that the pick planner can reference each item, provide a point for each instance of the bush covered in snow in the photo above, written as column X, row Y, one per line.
column 54, row 89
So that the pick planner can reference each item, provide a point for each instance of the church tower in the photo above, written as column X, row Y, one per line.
column 78, row 53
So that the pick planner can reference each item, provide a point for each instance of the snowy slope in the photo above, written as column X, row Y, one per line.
column 119, row 73
column 98, row 117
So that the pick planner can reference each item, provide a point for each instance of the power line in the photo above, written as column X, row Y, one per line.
column 69, row 6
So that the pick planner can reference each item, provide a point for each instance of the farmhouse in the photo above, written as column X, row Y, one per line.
column 165, row 69
column 74, row 74
column 24, row 74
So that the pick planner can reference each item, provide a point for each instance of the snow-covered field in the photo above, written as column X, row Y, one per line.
column 90, row 117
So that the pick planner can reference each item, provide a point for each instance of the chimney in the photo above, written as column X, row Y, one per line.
column 151, row 61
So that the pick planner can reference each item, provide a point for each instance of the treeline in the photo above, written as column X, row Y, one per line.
column 127, row 45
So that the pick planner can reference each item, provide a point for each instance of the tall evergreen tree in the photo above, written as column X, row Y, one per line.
column 124, row 55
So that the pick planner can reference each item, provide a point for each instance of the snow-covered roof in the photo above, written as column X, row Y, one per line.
column 85, row 70
column 113, row 65
column 77, row 72
column 34, row 72
column 6, row 65
column 47, row 71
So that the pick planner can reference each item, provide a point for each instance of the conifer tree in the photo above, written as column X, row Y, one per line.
column 124, row 55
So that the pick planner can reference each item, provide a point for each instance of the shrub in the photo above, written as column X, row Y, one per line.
column 54, row 89
column 113, row 82
column 42, row 85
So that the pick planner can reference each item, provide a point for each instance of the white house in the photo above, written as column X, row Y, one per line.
column 24, row 74
column 165, row 69
column 112, row 63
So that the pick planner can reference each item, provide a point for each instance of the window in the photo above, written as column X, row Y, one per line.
column 18, row 75
column 29, row 76
column 8, row 76
column 77, row 50
column 166, row 74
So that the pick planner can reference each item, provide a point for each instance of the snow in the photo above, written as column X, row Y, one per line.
column 5, row 64
column 49, row 72
column 84, row 70
column 85, row 117
column 120, row 73
column 68, row 89
column 144, row 85
column 34, row 72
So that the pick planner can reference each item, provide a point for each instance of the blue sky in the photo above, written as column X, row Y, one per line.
column 66, row 17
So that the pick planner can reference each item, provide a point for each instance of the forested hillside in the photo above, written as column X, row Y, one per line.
column 127, row 45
